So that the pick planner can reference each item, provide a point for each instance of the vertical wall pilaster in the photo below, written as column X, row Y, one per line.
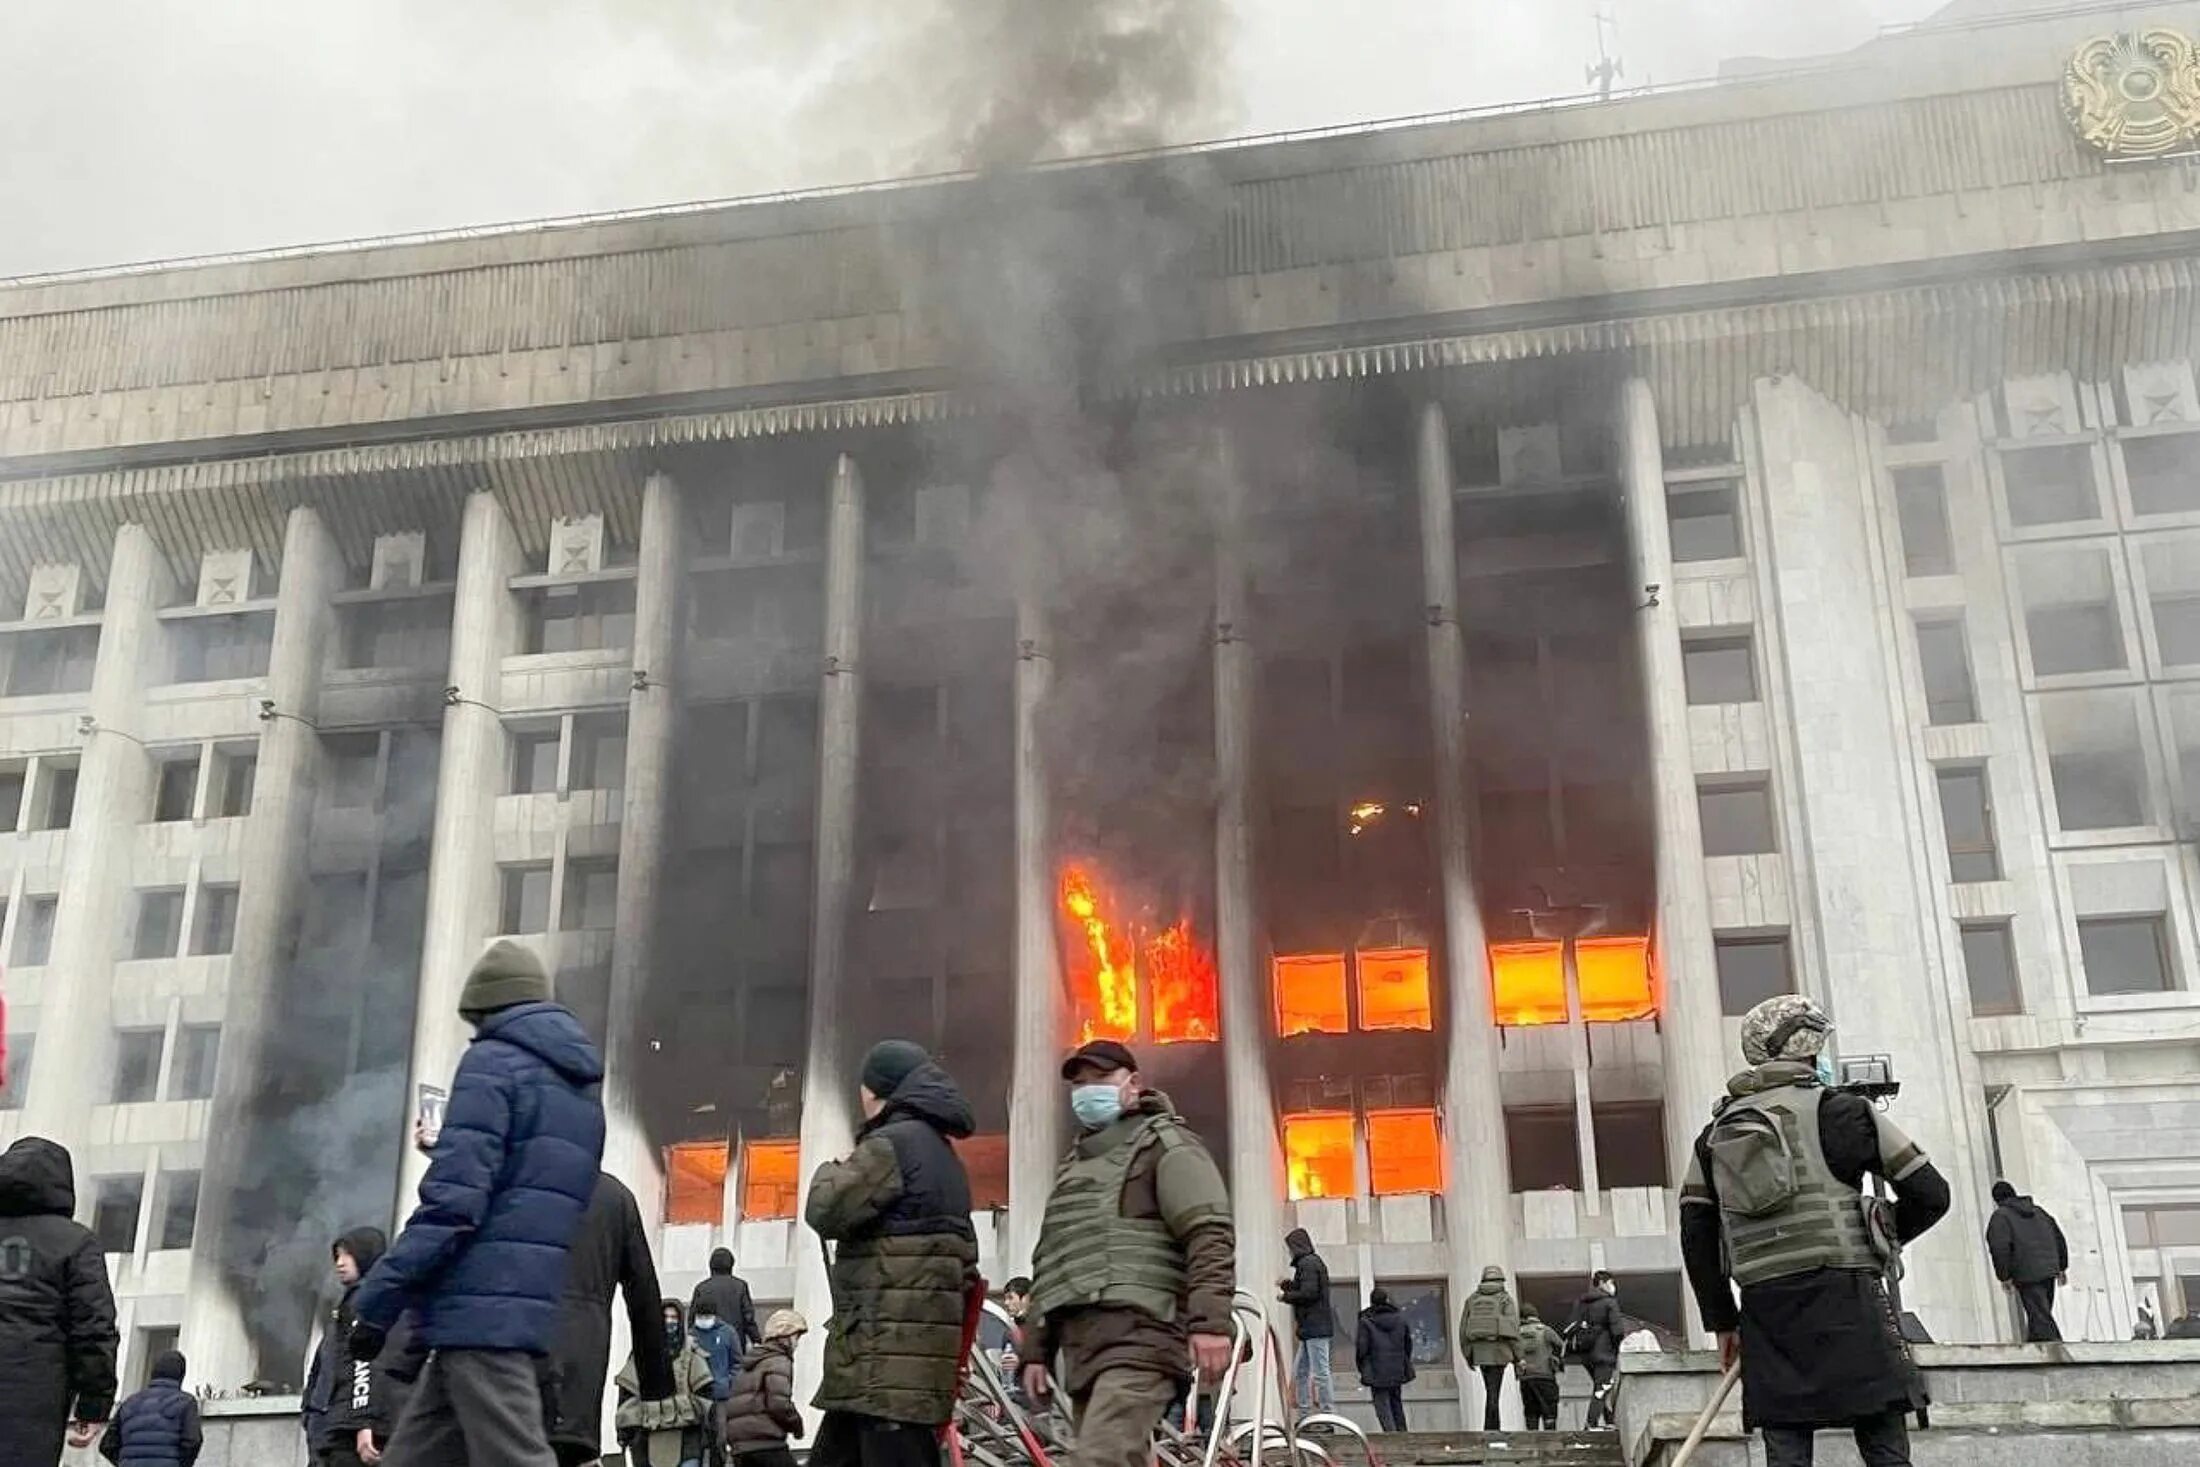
column 1035, row 1115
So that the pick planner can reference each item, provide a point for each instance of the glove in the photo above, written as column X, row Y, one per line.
column 366, row 1340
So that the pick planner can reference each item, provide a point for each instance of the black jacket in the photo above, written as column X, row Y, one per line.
column 1307, row 1290
column 1383, row 1349
column 727, row 1296
column 2026, row 1243
column 57, row 1313
column 1594, row 1333
column 158, row 1426
column 329, row 1378
column 610, row 1252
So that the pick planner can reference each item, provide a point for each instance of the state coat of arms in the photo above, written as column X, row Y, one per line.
column 2136, row 95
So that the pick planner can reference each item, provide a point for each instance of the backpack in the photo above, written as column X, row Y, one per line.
column 1576, row 1339
column 1752, row 1167
column 1485, row 1317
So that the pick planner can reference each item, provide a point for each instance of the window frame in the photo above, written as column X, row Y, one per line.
column 1696, row 691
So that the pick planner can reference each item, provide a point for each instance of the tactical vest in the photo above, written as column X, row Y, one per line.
column 1089, row 1252
column 1485, row 1316
column 1822, row 1224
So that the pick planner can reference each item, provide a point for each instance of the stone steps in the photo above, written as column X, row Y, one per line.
column 1469, row 1448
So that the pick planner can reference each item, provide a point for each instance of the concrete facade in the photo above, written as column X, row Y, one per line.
column 1881, row 490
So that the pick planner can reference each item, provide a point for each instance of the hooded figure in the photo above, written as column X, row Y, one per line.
column 668, row 1431
column 1489, row 1336
column 57, row 1313
column 322, row 1406
column 1307, row 1292
column 897, row 1212
column 1382, row 1352
column 158, row 1426
column 611, row 1252
column 725, row 1297
column 2030, row 1255
column 760, row 1413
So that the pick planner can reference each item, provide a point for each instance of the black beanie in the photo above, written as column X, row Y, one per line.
column 168, row 1365
column 890, row 1062
column 2003, row 1192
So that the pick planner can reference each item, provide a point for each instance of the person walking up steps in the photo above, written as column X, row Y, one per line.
column 1541, row 1354
column 1489, row 1336
column 1382, row 1352
column 2030, row 1257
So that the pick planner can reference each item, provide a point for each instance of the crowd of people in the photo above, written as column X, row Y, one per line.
column 482, row 1333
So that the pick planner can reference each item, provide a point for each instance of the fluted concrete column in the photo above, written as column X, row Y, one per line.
column 114, row 794
column 1477, row 1170
column 462, row 864
column 270, row 889
column 1035, row 1119
column 828, row 1078
column 1256, row 1154
column 1688, row 1010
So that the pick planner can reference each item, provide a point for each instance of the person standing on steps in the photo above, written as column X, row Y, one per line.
column 1593, row 1337
column 610, row 1253
column 760, row 1414
column 1774, row 1205
column 1541, row 1354
column 725, row 1296
column 1489, row 1336
column 1312, row 1320
column 2030, row 1257
column 1382, row 1352
column 57, row 1311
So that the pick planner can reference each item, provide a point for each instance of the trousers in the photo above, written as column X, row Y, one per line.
column 1603, row 1389
column 846, row 1439
column 473, row 1408
column 1882, row 1441
column 1390, row 1407
column 1116, row 1415
column 1539, row 1403
column 2039, row 1311
column 1493, row 1394
column 1310, row 1377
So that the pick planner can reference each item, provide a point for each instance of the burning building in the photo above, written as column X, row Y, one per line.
column 1519, row 589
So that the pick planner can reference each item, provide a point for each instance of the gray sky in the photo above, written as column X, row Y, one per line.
column 139, row 129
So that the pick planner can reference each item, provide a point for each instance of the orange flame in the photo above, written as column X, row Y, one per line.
column 1104, row 960
column 1107, row 984
column 1183, row 976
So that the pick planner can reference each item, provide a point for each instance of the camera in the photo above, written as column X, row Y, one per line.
column 1868, row 1075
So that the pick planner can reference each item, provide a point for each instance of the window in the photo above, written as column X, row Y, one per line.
column 770, row 1179
column 13, row 784
column 1393, row 989
column 599, row 752
column 534, row 761
column 50, row 662
column 1990, row 969
column 413, row 633
column 1528, row 983
column 2172, row 1225
column 176, row 1213
column 2052, row 485
column 191, row 1072
column 34, row 931
column 1317, row 1153
column 695, row 1182
column 1737, row 818
column 1630, row 1138
column 1751, row 970
column 59, row 801
column 1310, row 995
column 1613, row 974
column 1544, row 1148
column 216, row 924
column 215, row 648
column 115, row 1205
column 2177, row 629
column 1405, row 1153
column 1967, row 816
column 159, row 925
column 176, row 787
column 151, row 1345
column 1921, row 508
column 526, row 899
column 2074, row 637
column 2124, row 955
column 21, row 1049
column 1719, row 670
column 598, row 616
column 348, row 769
column 1703, row 522
column 2099, row 789
column 336, row 909
column 1944, row 664
column 591, row 897
column 137, row 1066
column 2164, row 473
column 1421, row 1301
column 233, row 792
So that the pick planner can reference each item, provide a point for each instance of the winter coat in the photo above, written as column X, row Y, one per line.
column 57, row 1313
column 1541, row 1351
column 371, row 1396
column 156, row 1427
column 1594, row 1333
column 1382, row 1350
column 610, row 1252
column 328, row 1378
column 664, row 1431
column 483, row 1257
column 1489, row 1325
column 727, row 1296
column 760, row 1412
column 899, row 1210
column 1820, row 1348
column 719, row 1349
column 2026, row 1243
column 1307, row 1290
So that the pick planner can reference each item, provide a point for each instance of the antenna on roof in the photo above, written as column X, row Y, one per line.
column 1607, row 68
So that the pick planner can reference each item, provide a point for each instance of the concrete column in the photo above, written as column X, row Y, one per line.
column 1035, row 1120
column 828, row 1079
column 1256, row 1153
column 272, row 879
column 462, row 869
column 652, row 721
column 1831, row 605
column 1689, row 1025
column 1577, row 1057
column 114, row 794
column 1477, row 1170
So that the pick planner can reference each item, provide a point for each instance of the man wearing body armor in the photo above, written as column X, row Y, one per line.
column 1132, row 1278
column 1774, row 1206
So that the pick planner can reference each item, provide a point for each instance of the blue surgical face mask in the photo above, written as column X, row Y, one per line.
column 1095, row 1105
column 1824, row 1067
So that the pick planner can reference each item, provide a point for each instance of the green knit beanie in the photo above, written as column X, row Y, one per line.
column 504, row 975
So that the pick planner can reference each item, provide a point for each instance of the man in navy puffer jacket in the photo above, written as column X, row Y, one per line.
column 483, row 1259
column 159, row 1426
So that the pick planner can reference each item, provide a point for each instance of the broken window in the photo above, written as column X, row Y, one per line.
column 1528, row 983
column 1614, row 974
column 769, row 1179
column 1543, row 1147
column 695, row 1182
column 1394, row 988
column 1404, row 1152
column 1317, row 1150
column 1630, row 1139
column 1310, row 996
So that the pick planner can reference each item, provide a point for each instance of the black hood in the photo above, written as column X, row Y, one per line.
column 364, row 1245
column 1299, row 1241
column 1380, row 1306
column 721, row 1261
column 168, row 1365
column 2021, row 1205
column 929, row 1094
column 37, row 1179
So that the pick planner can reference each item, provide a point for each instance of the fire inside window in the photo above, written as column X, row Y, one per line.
column 1310, row 995
column 985, row 1158
column 1317, row 1150
column 695, row 1182
column 1105, row 954
column 1394, row 988
column 770, row 1178
column 1403, row 1152
column 1528, row 981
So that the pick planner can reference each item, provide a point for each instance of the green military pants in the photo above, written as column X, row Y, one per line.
column 1116, row 1416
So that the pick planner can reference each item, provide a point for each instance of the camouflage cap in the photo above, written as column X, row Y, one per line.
column 1787, row 1027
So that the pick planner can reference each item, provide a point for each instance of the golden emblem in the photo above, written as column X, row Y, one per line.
column 2136, row 95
